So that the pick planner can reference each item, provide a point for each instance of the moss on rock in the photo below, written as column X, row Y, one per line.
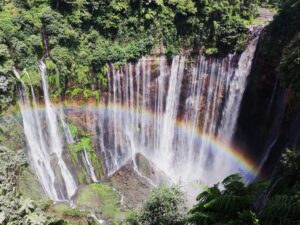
column 102, row 199
column 71, row 216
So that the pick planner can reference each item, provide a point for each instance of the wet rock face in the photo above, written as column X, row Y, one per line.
column 134, row 111
column 256, row 101
column 135, row 185
column 84, row 119
column 148, row 169
column 134, row 188
column 208, row 69
column 263, row 123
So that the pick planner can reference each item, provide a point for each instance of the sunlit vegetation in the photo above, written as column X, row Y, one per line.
column 78, row 37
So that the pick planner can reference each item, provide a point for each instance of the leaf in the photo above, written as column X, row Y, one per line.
column 27, row 205
column 2, row 217
column 35, row 219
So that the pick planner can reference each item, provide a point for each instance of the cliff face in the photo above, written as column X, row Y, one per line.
column 260, row 126
column 270, row 107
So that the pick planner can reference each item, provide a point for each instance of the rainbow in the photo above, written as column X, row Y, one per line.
column 243, row 160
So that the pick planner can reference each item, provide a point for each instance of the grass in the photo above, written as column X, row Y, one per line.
column 64, row 210
column 103, row 198
column 72, row 216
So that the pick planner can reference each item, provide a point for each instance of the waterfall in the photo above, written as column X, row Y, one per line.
column 89, row 166
column 70, row 140
column 165, row 155
column 173, row 112
column 45, row 145
column 55, row 141
column 173, row 116
column 236, row 90
column 36, row 141
column 67, row 132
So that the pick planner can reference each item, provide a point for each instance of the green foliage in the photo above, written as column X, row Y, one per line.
column 14, row 207
column 28, row 185
column 31, row 77
column 33, row 218
column 66, row 211
column 6, row 80
column 103, row 81
column 282, row 209
column 68, row 215
column 164, row 206
column 11, row 133
column 75, row 154
column 77, row 38
column 83, row 143
column 100, row 198
column 283, row 204
column 272, row 3
column 283, row 33
column 290, row 164
column 73, row 130
column 132, row 219
column 231, row 205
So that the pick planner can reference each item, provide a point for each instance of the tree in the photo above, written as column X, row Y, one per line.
column 164, row 207
column 230, row 205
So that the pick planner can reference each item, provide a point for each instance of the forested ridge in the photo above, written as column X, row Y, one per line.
column 78, row 37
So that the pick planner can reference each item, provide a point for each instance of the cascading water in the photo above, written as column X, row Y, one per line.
column 150, row 114
column 237, row 85
column 44, row 145
column 67, row 132
column 70, row 140
column 38, row 153
column 55, row 141
column 176, row 114
column 89, row 166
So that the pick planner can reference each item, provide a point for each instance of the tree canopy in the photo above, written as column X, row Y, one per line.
column 78, row 37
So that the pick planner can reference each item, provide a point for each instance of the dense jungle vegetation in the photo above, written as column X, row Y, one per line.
column 78, row 37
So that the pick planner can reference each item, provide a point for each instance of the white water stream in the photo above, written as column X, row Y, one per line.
column 45, row 145
column 161, row 116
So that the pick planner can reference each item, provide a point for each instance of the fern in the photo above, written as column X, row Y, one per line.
column 230, row 206
column 228, row 203
column 281, row 209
